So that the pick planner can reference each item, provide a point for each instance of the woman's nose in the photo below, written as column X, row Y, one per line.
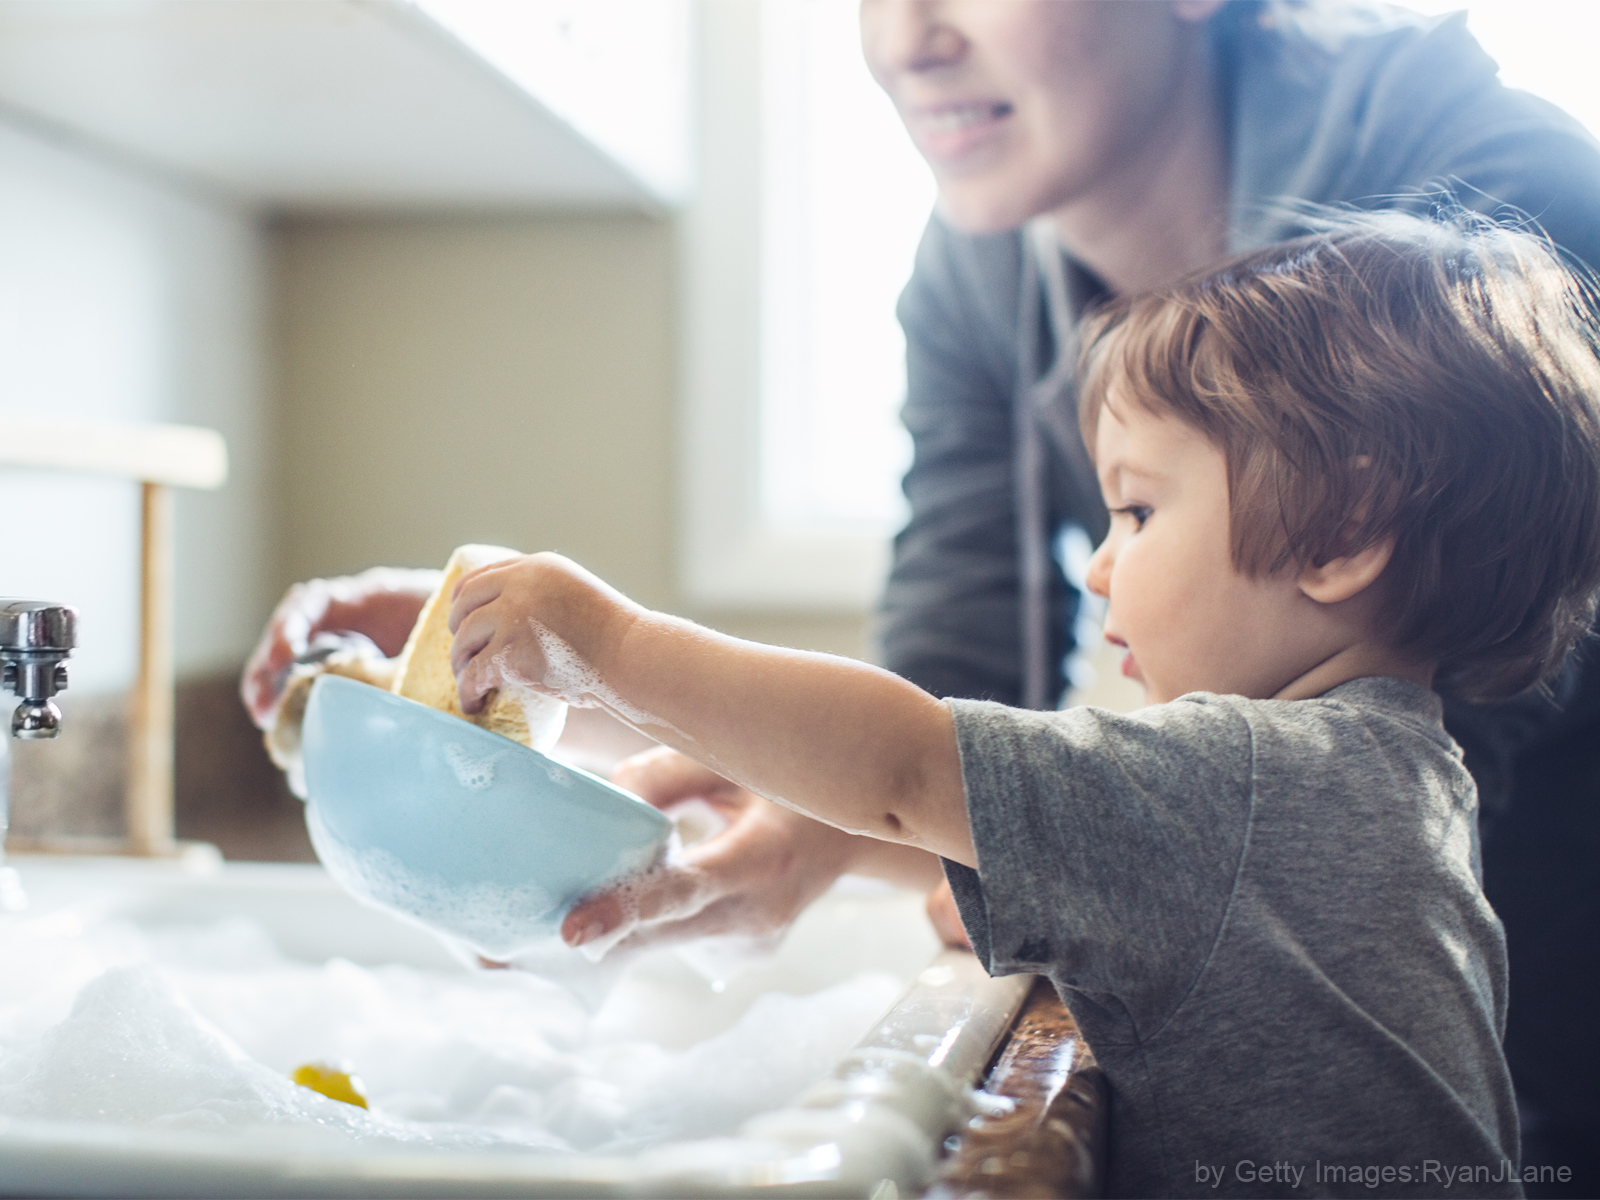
column 1098, row 576
column 907, row 35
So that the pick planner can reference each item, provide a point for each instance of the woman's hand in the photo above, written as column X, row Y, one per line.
column 380, row 604
column 752, row 878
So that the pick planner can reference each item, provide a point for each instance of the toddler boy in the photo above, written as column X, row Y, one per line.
column 1339, row 470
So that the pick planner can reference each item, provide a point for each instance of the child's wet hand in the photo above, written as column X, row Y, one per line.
column 505, row 616
column 494, row 615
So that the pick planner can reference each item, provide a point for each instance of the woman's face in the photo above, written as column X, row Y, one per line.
column 1022, row 106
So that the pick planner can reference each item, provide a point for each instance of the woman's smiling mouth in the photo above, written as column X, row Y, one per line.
column 948, row 131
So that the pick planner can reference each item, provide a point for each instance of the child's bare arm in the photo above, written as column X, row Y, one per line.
column 843, row 741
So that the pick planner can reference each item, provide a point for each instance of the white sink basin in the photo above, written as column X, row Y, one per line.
column 481, row 1082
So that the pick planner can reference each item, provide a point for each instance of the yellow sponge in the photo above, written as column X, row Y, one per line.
column 334, row 1082
column 424, row 672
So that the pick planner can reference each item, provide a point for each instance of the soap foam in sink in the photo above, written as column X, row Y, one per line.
column 132, row 1051
column 197, row 1029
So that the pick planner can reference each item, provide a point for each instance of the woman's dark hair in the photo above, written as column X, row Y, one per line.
column 1430, row 381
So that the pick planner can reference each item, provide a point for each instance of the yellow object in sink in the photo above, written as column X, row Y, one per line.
column 332, row 1082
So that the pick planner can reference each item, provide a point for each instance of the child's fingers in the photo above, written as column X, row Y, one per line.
column 475, row 668
column 476, row 589
column 474, row 682
column 473, row 635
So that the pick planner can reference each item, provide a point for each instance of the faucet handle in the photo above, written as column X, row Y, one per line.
column 37, row 625
column 35, row 636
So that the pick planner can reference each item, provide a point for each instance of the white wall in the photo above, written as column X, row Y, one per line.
column 126, row 297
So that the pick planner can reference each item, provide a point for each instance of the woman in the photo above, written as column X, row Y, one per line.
column 1087, row 149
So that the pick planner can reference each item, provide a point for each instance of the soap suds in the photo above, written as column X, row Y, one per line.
column 575, row 681
column 546, row 714
column 496, row 920
column 473, row 772
column 716, row 957
column 196, row 1028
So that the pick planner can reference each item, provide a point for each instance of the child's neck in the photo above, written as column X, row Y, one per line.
column 1357, row 661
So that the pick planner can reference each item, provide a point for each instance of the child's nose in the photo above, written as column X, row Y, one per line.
column 1098, row 577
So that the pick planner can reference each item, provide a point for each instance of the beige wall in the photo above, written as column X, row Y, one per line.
column 495, row 379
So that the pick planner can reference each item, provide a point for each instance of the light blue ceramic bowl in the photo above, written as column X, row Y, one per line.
column 461, row 829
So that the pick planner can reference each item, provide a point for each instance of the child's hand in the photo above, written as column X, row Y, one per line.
column 539, row 622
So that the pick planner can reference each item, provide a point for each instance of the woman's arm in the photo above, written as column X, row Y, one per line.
column 847, row 743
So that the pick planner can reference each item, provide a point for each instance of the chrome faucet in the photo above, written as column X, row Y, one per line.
column 35, row 639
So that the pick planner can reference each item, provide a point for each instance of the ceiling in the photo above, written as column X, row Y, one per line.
column 301, row 105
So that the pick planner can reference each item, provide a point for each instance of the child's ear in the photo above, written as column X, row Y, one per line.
column 1341, row 578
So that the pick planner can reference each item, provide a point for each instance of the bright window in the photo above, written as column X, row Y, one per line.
column 809, row 204
column 845, row 197
column 1543, row 46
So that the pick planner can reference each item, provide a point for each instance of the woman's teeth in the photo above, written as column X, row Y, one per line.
column 954, row 120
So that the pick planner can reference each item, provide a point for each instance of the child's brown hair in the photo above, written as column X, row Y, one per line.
column 1433, row 381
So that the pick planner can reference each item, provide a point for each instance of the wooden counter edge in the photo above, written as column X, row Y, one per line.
column 1052, row 1143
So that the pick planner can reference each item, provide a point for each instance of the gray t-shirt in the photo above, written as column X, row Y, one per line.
column 1268, row 920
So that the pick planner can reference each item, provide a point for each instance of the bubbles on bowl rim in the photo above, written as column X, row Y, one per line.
column 473, row 772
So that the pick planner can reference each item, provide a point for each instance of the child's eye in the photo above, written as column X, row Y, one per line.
column 1139, row 512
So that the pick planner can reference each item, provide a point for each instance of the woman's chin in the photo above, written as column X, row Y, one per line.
column 981, row 202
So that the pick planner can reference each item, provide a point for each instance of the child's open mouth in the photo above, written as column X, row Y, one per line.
column 1130, row 666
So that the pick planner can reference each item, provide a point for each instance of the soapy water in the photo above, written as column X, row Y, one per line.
column 473, row 772
column 545, row 714
column 518, row 924
column 197, row 1028
column 496, row 920
column 570, row 677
